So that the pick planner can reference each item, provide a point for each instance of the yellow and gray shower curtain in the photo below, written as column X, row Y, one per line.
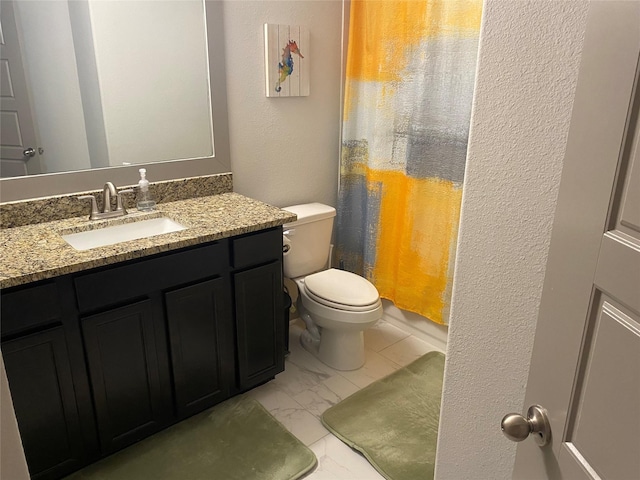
column 409, row 87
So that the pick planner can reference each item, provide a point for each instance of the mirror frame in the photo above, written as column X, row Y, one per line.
column 48, row 184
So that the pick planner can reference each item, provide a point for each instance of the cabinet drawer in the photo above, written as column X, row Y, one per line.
column 257, row 248
column 30, row 307
column 118, row 284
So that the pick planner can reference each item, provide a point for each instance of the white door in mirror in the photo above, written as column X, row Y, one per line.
column 122, row 233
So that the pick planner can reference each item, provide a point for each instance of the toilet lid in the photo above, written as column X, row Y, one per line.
column 341, row 289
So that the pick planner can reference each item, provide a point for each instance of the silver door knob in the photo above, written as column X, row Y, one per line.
column 518, row 428
column 29, row 152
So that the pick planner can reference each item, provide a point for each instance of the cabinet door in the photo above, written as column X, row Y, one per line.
column 41, row 387
column 199, row 322
column 259, row 323
column 122, row 354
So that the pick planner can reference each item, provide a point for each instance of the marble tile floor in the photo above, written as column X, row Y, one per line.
column 298, row 396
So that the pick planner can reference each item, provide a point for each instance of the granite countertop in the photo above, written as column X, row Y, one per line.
column 36, row 252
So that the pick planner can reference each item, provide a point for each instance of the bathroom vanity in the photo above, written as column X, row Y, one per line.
column 105, row 347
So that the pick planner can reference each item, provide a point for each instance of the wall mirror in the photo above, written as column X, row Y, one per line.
column 110, row 86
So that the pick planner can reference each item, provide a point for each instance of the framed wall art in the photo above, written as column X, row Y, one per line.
column 286, row 53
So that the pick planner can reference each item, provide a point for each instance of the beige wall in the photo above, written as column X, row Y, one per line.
column 284, row 151
column 527, row 71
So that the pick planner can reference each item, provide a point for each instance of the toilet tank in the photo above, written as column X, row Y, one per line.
column 309, row 238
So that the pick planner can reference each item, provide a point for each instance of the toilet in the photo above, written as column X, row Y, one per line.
column 336, row 306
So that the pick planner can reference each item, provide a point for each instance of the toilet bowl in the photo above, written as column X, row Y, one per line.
column 335, row 330
column 336, row 306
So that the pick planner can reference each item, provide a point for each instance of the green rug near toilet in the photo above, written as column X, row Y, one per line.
column 394, row 421
column 237, row 439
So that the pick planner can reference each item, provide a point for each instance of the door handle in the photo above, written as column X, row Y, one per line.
column 29, row 152
column 518, row 428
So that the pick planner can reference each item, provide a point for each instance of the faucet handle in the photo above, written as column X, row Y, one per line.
column 119, row 206
column 94, row 205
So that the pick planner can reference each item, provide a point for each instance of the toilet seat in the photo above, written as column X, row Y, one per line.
column 342, row 290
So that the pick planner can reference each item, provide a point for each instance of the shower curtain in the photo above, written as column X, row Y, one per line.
column 408, row 92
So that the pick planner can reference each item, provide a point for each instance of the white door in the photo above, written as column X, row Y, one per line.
column 585, row 369
column 19, row 152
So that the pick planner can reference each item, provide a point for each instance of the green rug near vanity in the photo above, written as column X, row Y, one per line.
column 237, row 439
column 394, row 421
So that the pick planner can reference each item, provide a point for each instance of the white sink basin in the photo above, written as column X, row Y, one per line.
column 102, row 237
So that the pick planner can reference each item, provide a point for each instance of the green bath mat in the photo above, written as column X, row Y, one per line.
column 237, row 439
column 394, row 421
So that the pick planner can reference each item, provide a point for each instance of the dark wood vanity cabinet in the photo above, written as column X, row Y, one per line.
column 201, row 339
column 44, row 362
column 39, row 372
column 131, row 393
column 257, row 282
column 154, row 333
column 101, row 359
column 260, row 329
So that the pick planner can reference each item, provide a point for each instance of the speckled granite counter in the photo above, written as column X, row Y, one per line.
column 36, row 252
column 58, row 207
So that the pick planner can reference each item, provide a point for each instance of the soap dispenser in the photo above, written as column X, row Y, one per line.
column 145, row 203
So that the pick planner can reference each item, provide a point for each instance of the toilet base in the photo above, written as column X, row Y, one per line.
column 339, row 350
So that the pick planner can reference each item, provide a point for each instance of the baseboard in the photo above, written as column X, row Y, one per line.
column 417, row 325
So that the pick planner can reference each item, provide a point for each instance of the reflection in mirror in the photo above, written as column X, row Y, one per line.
column 103, row 84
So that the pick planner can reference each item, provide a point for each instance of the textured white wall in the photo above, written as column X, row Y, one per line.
column 528, row 64
column 284, row 151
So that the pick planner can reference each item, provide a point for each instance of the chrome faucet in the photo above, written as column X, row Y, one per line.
column 108, row 191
